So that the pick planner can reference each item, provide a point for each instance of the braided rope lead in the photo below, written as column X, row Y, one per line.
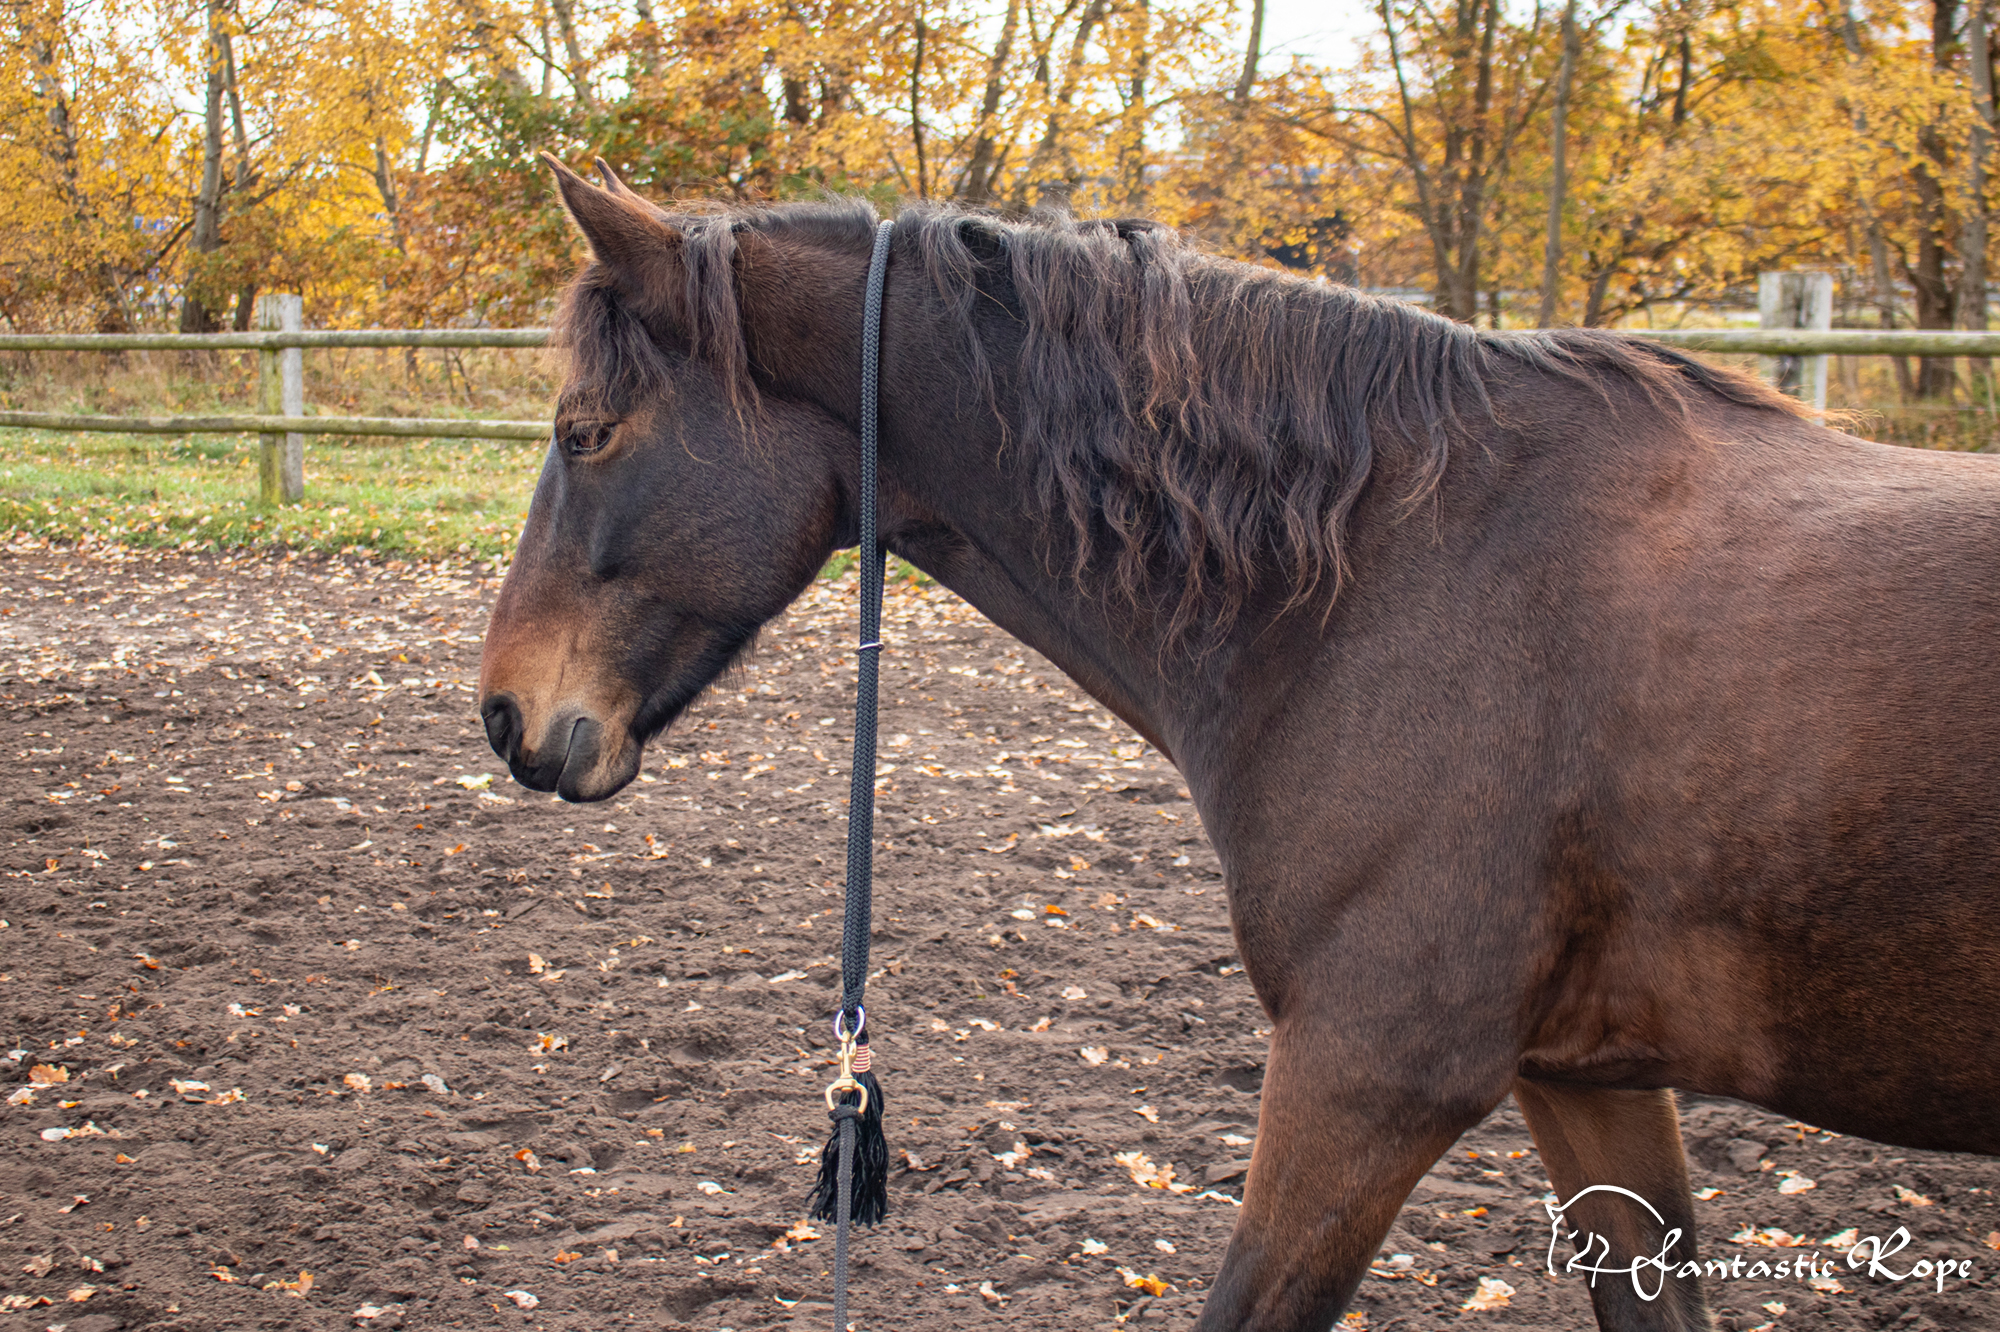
column 861, row 794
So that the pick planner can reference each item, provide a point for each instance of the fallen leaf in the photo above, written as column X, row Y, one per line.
column 1911, row 1196
column 82, row 1293
column 1165, row 1246
column 1796, row 1184
column 1094, row 1055
column 527, row 1157
column 44, row 1076
column 1492, row 1293
column 40, row 1265
column 992, row 1296
column 565, row 1256
column 297, row 1289
column 1152, row 1285
column 1771, row 1238
column 1092, row 1248
column 523, row 1299
column 1147, row 1113
column 1151, row 1176
column 1706, row 1194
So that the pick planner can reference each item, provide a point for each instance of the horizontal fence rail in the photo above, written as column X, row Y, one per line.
column 324, row 337
column 407, row 427
column 1826, row 341
column 1747, row 341
column 278, row 345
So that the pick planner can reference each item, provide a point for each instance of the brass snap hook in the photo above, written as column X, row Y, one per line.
column 846, row 1081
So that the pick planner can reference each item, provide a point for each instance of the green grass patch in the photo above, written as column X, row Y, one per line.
column 410, row 499
column 406, row 499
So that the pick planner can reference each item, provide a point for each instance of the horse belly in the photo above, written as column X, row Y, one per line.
column 1809, row 808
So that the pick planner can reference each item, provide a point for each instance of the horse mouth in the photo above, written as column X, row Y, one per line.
column 573, row 762
column 579, row 759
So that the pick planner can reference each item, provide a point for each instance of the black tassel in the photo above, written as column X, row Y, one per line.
column 870, row 1199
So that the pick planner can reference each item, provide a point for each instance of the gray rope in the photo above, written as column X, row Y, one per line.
column 861, row 793
column 846, row 1197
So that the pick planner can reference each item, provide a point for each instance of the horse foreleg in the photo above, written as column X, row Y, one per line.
column 1342, row 1138
column 1597, row 1140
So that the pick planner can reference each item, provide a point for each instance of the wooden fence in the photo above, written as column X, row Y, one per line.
column 283, row 424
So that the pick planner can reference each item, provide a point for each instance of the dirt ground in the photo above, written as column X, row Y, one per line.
column 294, row 981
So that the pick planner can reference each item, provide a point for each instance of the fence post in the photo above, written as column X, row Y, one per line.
column 281, row 391
column 1796, row 300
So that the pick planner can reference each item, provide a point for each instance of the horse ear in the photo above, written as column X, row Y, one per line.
column 611, row 181
column 625, row 233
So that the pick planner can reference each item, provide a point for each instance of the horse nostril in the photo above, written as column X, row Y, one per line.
column 503, row 725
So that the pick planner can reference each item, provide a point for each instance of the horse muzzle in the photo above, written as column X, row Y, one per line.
column 572, row 753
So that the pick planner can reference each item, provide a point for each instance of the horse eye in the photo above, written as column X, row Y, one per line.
column 583, row 440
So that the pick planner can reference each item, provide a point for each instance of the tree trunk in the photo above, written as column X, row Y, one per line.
column 1558, row 169
column 112, row 316
column 1972, row 234
column 1246, row 82
column 647, row 38
column 1937, row 297
column 984, row 164
column 1132, row 148
column 392, row 203
column 917, row 108
column 1051, row 145
column 579, row 77
column 241, row 176
column 196, row 314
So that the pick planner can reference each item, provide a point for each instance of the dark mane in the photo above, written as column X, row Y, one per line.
column 1210, row 417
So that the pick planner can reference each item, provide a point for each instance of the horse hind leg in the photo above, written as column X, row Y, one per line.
column 1601, row 1146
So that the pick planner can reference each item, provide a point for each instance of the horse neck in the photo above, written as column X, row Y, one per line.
column 958, row 501
column 959, row 504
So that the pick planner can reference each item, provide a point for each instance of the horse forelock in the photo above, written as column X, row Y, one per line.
column 1200, row 423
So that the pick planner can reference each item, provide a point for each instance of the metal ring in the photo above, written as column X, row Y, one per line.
column 860, row 1023
column 832, row 1098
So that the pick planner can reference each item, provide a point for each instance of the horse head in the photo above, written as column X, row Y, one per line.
column 680, row 507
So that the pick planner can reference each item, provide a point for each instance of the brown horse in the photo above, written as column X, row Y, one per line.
column 1572, row 720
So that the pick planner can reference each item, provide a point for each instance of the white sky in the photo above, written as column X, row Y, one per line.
column 1323, row 31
